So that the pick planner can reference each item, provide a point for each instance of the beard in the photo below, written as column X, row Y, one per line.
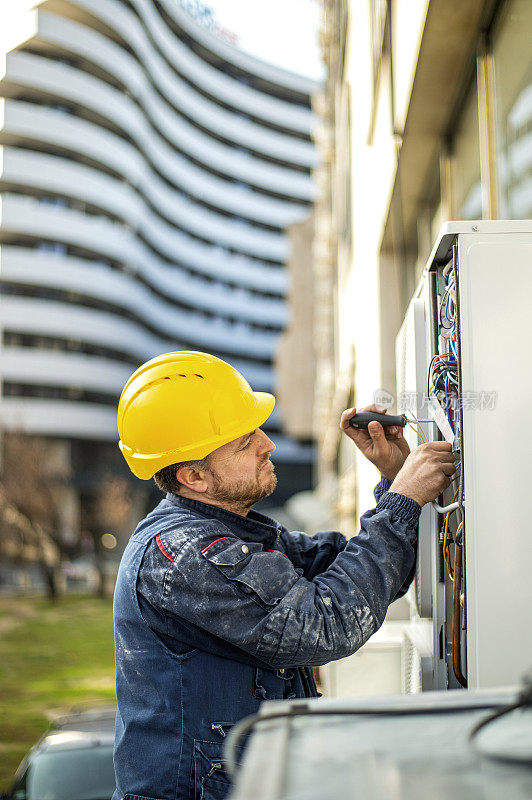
column 245, row 492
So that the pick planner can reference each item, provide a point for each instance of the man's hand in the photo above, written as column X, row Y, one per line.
column 384, row 447
column 426, row 472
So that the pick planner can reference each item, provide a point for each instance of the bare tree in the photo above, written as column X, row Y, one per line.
column 108, row 513
column 27, row 478
column 23, row 542
column 28, row 512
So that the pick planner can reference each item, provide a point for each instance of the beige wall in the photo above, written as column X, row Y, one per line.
column 295, row 360
column 416, row 146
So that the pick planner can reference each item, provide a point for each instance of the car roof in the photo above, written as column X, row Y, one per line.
column 100, row 719
column 72, row 740
column 79, row 729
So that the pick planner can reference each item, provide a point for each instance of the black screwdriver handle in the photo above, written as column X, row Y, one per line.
column 363, row 419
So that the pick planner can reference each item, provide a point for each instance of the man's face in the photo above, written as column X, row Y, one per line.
column 240, row 472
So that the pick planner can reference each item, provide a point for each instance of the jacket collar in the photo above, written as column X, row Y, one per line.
column 256, row 527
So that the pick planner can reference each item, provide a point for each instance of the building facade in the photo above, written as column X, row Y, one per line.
column 149, row 171
column 426, row 117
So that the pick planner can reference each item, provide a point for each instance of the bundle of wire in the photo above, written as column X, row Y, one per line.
column 443, row 369
column 443, row 386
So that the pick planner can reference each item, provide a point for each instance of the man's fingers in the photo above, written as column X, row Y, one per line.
column 376, row 431
column 444, row 446
column 449, row 469
column 444, row 457
column 346, row 416
column 374, row 408
column 394, row 432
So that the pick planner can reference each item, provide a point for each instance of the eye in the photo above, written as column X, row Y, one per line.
column 244, row 446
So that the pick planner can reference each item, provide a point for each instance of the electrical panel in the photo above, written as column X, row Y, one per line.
column 463, row 375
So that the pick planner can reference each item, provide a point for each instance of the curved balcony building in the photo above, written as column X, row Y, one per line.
column 148, row 173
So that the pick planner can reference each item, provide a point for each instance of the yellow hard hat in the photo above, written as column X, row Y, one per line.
column 182, row 406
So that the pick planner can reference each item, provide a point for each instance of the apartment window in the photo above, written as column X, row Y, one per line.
column 54, row 248
column 512, row 60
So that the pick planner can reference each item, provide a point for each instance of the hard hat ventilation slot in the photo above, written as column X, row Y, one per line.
column 198, row 376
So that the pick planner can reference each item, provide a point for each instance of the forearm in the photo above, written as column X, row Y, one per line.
column 315, row 553
column 345, row 605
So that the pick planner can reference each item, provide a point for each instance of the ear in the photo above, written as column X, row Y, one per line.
column 192, row 478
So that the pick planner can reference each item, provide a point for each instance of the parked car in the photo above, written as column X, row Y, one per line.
column 72, row 761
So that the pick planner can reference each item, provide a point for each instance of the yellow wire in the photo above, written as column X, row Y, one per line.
column 418, row 433
column 424, row 435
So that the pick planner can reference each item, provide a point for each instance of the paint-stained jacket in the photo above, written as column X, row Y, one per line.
column 215, row 612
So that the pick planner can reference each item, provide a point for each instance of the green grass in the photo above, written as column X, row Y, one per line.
column 53, row 657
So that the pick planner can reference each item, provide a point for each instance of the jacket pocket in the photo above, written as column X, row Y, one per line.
column 221, row 728
column 253, row 571
column 211, row 781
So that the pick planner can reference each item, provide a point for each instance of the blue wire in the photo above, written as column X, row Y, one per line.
column 446, row 310
column 453, row 345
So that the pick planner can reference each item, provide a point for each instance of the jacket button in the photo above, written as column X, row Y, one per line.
column 245, row 548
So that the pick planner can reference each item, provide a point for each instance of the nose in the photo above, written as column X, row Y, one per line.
column 266, row 444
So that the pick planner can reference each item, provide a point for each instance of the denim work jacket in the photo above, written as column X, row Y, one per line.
column 215, row 613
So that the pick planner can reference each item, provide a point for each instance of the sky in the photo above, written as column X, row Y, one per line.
column 281, row 31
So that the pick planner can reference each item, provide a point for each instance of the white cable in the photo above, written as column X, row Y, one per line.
column 444, row 509
column 447, row 269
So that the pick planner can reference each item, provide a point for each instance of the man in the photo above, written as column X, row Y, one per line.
column 218, row 607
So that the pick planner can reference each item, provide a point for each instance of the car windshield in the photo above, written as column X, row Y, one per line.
column 77, row 774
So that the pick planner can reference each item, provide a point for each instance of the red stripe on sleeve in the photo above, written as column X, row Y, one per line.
column 211, row 544
column 161, row 548
column 278, row 551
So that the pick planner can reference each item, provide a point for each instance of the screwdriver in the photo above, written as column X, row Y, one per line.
column 363, row 419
